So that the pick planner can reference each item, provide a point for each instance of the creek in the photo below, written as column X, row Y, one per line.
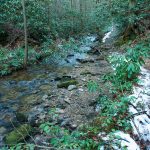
column 34, row 91
column 24, row 94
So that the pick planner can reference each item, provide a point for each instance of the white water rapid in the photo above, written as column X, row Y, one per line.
column 108, row 34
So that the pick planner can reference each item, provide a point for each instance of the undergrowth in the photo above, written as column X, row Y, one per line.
column 13, row 59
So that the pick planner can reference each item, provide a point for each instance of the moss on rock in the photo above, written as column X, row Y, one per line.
column 65, row 84
column 18, row 134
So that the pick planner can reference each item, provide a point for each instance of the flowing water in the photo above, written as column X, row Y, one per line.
column 23, row 90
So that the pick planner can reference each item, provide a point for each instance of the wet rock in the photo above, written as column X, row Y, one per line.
column 73, row 126
column 35, row 91
column 83, row 79
column 4, row 123
column 1, row 95
column 13, row 82
column 18, row 134
column 21, row 117
column 65, row 77
column 85, row 60
column 1, row 141
column 57, row 79
column 2, row 130
column 148, row 93
column 81, row 90
column 41, row 140
column 7, row 118
column 65, row 84
column 66, row 122
column 42, row 116
column 67, row 100
column 85, row 73
column 45, row 97
column 45, row 87
column 34, row 114
column 70, row 55
column 22, row 83
column 76, row 66
column 67, row 60
column 62, row 78
column 71, row 87
column 60, row 111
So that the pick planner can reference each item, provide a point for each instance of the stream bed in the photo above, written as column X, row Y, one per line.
column 28, row 95
column 34, row 92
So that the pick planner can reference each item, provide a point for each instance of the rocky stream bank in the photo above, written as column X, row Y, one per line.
column 58, row 92
column 27, row 97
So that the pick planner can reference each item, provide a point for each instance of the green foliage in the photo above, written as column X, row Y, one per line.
column 127, row 66
column 11, row 60
column 92, row 86
column 20, row 146
column 58, row 19
column 64, row 139
column 114, row 112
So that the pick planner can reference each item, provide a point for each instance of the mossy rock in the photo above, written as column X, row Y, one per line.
column 18, row 134
column 65, row 84
column 85, row 73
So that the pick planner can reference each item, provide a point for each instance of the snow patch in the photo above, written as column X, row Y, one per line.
column 141, row 121
column 124, row 139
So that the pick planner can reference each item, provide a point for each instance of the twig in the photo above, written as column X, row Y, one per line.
column 139, row 113
column 139, row 134
column 18, row 131
column 145, row 112
column 12, row 41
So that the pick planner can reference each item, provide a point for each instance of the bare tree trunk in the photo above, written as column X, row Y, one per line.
column 48, row 13
column 72, row 22
column 81, row 12
column 25, row 35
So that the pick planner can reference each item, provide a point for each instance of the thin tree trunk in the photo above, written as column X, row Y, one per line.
column 81, row 12
column 48, row 13
column 72, row 8
column 25, row 35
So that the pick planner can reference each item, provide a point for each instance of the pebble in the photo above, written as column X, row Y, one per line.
column 83, row 79
column 71, row 87
column 67, row 100
column 35, row 92
column 2, row 130
column 73, row 126
column 81, row 90
column 60, row 111
column 45, row 97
